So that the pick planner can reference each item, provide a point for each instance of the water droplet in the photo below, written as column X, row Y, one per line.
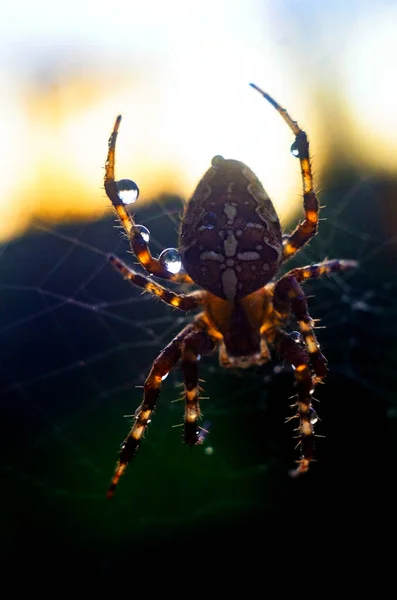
column 127, row 190
column 295, row 149
column 313, row 416
column 145, row 233
column 209, row 220
column 164, row 376
column 217, row 160
column 171, row 260
column 296, row 335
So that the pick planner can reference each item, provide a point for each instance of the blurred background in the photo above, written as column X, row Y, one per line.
column 77, row 340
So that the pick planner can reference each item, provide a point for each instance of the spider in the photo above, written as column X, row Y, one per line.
column 231, row 246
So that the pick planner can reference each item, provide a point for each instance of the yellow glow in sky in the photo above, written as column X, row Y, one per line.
column 179, row 74
column 370, row 87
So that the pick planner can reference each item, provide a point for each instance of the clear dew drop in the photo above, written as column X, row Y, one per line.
column 127, row 191
column 295, row 335
column 171, row 260
column 145, row 233
column 209, row 220
column 295, row 150
column 313, row 416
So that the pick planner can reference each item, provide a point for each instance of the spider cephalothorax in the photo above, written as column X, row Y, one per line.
column 231, row 246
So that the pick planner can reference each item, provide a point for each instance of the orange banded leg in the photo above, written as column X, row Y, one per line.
column 181, row 301
column 289, row 297
column 196, row 345
column 324, row 268
column 297, row 357
column 162, row 365
column 300, row 148
column 139, row 246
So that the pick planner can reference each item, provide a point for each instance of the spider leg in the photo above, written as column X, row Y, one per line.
column 195, row 345
column 289, row 297
column 324, row 268
column 300, row 148
column 162, row 365
column 297, row 357
column 139, row 246
column 181, row 301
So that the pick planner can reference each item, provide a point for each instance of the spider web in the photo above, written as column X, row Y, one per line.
column 77, row 340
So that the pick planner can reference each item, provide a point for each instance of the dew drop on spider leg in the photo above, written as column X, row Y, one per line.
column 127, row 191
column 296, row 336
column 295, row 150
column 170, row 259
column 144, row 231
column 313, row 416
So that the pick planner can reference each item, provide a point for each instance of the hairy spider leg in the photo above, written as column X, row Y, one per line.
column 289, row 297
column 308, row 228
column 162, row 365
column 297, row 357
column 138, row 245
column 302, row 274
column 196, row 344
column 183, row 302
column 326, row 267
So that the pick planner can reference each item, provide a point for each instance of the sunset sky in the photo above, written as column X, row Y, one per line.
column 179, row 73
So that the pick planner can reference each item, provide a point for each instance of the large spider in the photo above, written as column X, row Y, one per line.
column 231, row 246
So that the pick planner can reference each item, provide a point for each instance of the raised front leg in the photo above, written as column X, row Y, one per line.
column 300, row 148
column 139, row 245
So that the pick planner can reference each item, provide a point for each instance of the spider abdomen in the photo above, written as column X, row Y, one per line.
column 230, row 241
